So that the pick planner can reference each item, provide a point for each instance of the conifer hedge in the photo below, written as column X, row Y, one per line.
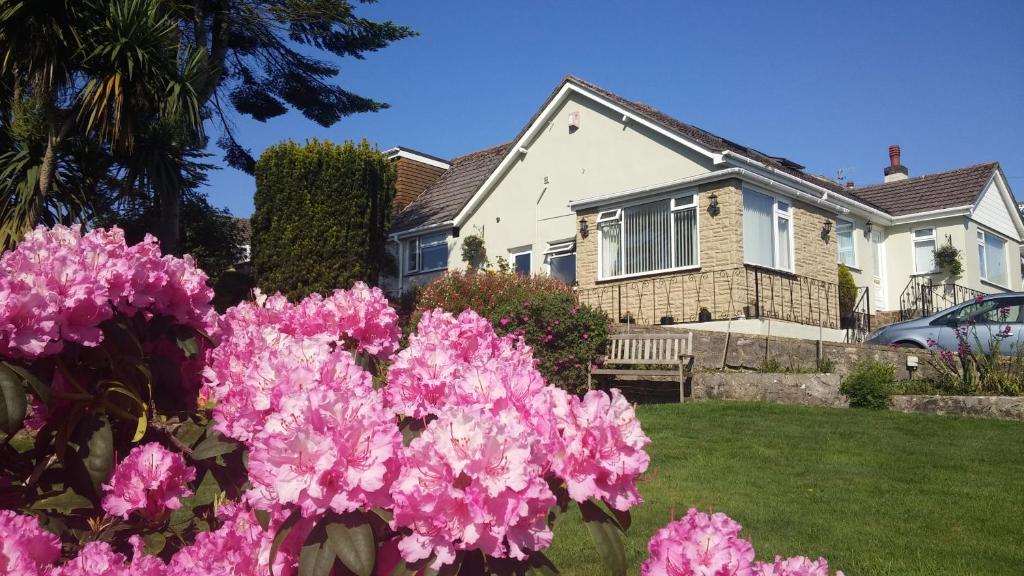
column 322, row 216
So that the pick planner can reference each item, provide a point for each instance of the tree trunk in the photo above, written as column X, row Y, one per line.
column 169, row 231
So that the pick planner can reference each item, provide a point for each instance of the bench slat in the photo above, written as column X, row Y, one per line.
column 635, row 372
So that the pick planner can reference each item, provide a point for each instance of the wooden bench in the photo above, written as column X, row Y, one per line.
column 651, row 350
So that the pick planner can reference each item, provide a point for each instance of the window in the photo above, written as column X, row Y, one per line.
column 844, row 239
column 924, row 250
column 426, row 253
column 992, row 257
column 989, row 311
column 521, row 262
column 562, row 260
column 649, row 237
column 767, row 231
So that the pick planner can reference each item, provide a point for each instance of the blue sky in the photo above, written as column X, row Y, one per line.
column 827, row 84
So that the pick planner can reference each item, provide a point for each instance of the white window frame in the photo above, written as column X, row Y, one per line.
column 558, row 249
column 616, row 214
column 776, row 215
column 914, row 239
column 417, row 241
column 512, row 258
column 853, row 239
column 983, row 260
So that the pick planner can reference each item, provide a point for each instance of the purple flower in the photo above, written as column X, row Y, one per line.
column 979, row 298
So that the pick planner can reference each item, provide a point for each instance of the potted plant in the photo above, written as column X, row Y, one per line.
column 473, row 252
column 948, row 261
column 627, row 318
column 704, row 315
column 667, row 320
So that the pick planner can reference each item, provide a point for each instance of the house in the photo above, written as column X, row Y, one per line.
column 656, row 220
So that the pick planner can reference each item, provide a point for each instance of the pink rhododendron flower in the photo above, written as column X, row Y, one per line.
column 26, row 549
column 333, row 447
column 472, row 480
column 796, row 566
column 99, row 559
column 699, row 545
column 601, row 453
column 150, row 480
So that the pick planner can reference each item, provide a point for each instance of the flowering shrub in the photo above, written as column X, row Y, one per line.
column 566, row 337
column 709, row 544
column 156, row 436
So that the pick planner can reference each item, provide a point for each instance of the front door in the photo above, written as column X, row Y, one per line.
column 878, row 291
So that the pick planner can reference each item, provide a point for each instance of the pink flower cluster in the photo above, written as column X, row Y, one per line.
column 26, row 549
column 58, row 286
column 99, row 559
column 477, row 477
column 702, row 544
column 149, row 481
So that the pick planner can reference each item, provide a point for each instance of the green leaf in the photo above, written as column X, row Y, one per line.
column 212, row 447
column 92, row 461
column 41, row 388
column 154, row 543
column 607, row 536
column 13, row 401
column 140, row 428
column 540, row 565
column 353, row 544
column 65, row 502
column 263, row 517
column 317, row 556
column 190, row 346
column 282, row 533
column 189, row 432
column 403, row 569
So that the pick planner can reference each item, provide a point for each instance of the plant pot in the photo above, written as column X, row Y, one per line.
column 704, row 315
column 748, row 311
column 667, row 320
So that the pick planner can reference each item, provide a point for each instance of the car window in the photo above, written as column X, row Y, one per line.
column 996, row 311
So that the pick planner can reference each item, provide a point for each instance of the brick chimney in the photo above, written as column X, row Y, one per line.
column 414, row 173
column 895, row 171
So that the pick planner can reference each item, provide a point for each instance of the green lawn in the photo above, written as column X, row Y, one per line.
column 876, row 493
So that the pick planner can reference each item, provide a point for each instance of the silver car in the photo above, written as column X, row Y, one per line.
column 997, row 318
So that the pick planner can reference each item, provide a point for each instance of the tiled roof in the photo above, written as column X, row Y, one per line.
column 442, row 201
column 958, row 187
column 243, row 228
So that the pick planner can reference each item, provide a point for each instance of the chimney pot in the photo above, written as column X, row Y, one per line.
column 894, row 155
column 849, row 184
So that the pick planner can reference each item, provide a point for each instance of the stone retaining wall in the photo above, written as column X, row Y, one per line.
column 799, row 389
column 1009, row 407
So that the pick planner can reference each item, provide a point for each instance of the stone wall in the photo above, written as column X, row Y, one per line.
column 799, row 389
column 1008, row 407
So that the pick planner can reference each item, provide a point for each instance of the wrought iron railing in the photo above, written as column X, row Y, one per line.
column 748, row 291
column 923, row 297
column 857, row 322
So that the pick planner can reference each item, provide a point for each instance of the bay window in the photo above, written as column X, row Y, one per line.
column 426, row 253
column 924, row 250
column 650, row 237
column 767, row 231
column 844, row 240
column 992, row 258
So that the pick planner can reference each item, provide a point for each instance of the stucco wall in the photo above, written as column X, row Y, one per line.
column 529, row 204
column 899, row 253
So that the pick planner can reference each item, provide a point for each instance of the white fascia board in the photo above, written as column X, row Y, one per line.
column 932, row 215
column 735, row 172
column 422, row 230
column 542, row 120
column 399, row 153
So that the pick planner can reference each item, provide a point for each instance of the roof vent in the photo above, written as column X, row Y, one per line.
column 895, row 171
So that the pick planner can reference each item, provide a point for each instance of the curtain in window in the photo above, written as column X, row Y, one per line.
column 995, row 259
column 844, row 238
column 685, row 222
column 611, row 248
column 924, row 256
column 784, row 261
column 647, row 242
column 563, row 267
column 757, row 228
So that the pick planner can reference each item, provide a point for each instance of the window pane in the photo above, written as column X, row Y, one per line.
column 924, row 233
column 521, row 264
column 844, row 238
column 434, row 257
column 648, row 241
column 611, row 244
column 563, row 267
column 784, row 260
column 995, row 259
column 757, row 228
column 434, row 239
column 412, row 253
column 924, row 256
column 685, row 222
column 981, row 260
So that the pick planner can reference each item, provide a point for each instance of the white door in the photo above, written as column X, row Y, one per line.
column 878, row 291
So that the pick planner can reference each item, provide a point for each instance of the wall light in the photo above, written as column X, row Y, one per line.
column 584, row 228
column 713, row 208
column 826, row 229
column 867, row 227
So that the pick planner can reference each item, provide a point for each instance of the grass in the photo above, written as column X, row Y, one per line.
column 877, row 493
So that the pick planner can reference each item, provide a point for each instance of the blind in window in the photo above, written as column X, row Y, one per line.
column 995, row 259
column 757, row 228
column 611, row 248
column 685, row 222
column 647, row 243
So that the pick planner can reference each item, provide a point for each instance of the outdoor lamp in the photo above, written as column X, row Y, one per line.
column 826, row 229
column 584, row 229
column 867, row 227
column 713, row 205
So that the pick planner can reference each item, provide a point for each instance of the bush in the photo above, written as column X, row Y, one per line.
column 566, row 337
column 870, row 384
column 847, row 292
column 322, row 215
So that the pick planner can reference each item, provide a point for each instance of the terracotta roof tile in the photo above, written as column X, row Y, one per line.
column 950, row 189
